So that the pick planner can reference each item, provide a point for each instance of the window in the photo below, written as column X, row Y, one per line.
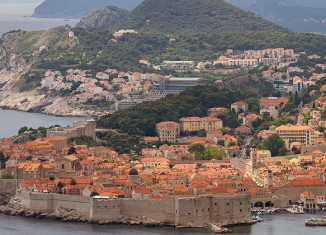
column 62, row 166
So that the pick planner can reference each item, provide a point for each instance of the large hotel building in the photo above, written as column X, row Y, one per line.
column 301, row 134
column 168, row 86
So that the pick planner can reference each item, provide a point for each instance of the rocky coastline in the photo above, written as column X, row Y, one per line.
column 12, row 206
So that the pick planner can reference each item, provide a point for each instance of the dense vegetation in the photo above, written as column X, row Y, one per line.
column 296, row 16
column 122, row 143
column 96, row 50
column 274, row 144
column 208, row 152
column 194, row 16
column 141, row 119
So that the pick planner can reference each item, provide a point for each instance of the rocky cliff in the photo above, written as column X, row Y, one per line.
column 19, row 50
column 104, row 18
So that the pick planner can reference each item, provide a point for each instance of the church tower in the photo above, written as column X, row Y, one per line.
column 253, row 157
column 269, row 178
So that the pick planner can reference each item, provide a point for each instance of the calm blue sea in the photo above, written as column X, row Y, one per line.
column 14, row 16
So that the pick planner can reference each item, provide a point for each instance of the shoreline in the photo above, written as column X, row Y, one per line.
column 6, row 108
column 13, row 208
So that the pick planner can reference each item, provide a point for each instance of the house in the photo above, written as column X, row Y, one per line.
column 272, row 102
column 196, row 123
column 249, row 118
column 240, row 106
column 261, row 154
column 141, row 193
column 67, row 166
column 308, row 199
column 153, row 161
column 30, row 170
column 168, row 131
column 217, row 111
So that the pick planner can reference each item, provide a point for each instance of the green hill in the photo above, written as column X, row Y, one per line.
column 194, row 16
column 300, row 18
column 103, row 18
column 192, row 102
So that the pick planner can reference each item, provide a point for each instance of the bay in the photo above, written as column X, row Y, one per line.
column 11, row 121
column 15, row 16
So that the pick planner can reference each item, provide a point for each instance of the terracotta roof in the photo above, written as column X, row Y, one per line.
column 307, row 182
column 293, row 128
column 274, row 100
column 198, row 119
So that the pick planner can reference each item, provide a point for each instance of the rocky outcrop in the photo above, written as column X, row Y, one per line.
column 14, row 208
column 104, row 18
column 18, row 52
column 5, row 198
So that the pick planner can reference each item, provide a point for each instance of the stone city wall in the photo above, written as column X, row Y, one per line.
column 293, row 193
column 49, row 203
column 8, row 185
column 190, row 211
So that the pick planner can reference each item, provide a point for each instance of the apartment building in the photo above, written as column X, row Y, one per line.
column 168, row 131
column 178, row 65
column 197, row 123
column 301, row 134
column 166, row 86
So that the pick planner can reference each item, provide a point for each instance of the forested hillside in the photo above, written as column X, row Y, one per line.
column 293, row 14
column 192, row 102
column 97, row 51
column 194, row 16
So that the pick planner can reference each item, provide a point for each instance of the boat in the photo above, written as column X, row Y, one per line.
column 296, row 209
column 316, row 221
column 257, row 218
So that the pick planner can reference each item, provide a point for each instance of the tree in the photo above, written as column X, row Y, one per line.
column 7, row 176
column 22, row 130
column 72, row 150
column 196, row 148
column 320, row 128
column 274, row 144
column 29, row 158
column 214, row 152
column 295, row 150
column 3, row 160
column 94, row 193
column 60, row 185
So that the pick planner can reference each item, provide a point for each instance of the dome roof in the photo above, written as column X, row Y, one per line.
column 133, row 171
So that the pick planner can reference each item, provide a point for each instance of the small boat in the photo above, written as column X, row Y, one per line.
column 257, row 218
column 296, row 209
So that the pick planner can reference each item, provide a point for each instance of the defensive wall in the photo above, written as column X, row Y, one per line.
column 8, row 185
column 189, row 211
column 291, row 194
